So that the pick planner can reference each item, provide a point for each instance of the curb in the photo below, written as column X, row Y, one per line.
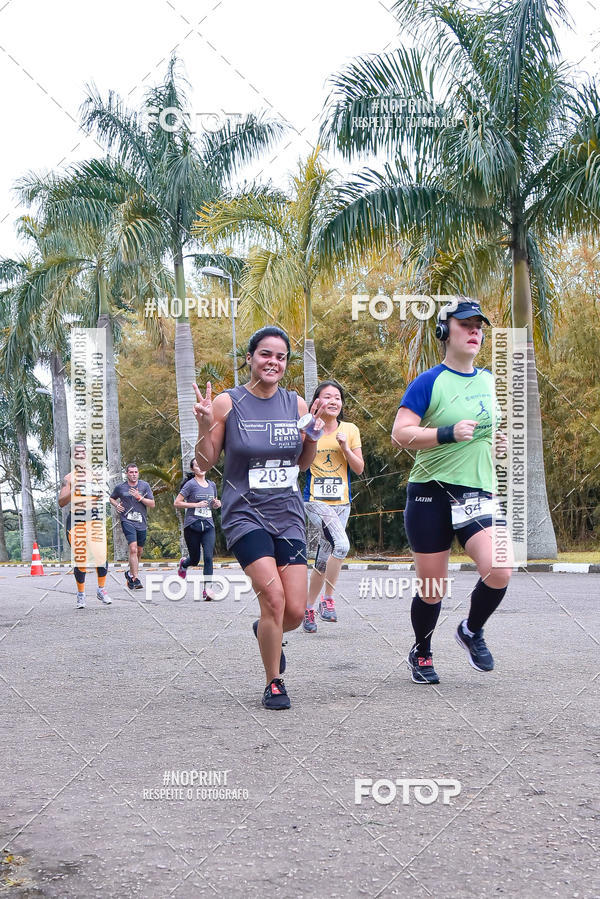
column 544, row 567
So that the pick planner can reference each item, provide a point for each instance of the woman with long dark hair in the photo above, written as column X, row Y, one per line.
column 263, row 513
column 198, row 497
column 327, row 496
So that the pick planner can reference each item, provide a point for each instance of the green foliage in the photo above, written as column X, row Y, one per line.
column 280, row 235
column 570, row 396
column 510, row 164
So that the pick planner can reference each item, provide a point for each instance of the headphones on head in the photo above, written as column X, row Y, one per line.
column 442, row 328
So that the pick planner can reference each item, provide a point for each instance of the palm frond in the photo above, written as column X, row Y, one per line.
column 235, row 144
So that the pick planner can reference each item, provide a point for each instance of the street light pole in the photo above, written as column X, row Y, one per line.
column 214, row 271
column 231, row 306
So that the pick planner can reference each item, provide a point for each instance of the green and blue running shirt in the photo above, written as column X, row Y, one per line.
column 443, row 397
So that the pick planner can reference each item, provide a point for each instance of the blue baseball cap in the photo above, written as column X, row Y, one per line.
column 464, row 309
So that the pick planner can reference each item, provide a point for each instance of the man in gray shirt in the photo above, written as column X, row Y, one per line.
column 132, row 499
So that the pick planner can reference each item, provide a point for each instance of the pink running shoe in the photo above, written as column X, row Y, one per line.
column 309, row 625
column 327, row 609
column 181, row 571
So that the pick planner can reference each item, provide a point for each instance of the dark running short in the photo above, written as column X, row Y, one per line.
column 428, row 516
column 132, row 535
column 259, row 543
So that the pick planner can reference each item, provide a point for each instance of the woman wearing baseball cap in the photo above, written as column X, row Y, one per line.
column 445, row 420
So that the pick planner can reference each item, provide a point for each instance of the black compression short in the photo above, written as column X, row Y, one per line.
column 428, row 515
column 259, row 543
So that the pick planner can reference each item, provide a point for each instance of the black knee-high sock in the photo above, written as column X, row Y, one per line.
column 484, row 601
column 424, row 616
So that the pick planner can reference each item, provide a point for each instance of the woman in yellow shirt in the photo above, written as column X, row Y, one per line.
column 327, row 499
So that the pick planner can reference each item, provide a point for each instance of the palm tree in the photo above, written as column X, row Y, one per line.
column 28, row 411
column 101, row 253
column 288, row 262
column 11, row 465
column 178, row 174
column 511, row 162
column 46, row 330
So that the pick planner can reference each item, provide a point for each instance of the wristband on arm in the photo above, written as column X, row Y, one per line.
column 446, row 435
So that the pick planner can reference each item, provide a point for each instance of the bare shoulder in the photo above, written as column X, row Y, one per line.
column 302, row 407
column 222, row 406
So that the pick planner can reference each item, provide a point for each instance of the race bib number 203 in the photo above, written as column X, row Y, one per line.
column 272, row 475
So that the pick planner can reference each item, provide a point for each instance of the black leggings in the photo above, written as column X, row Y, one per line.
column 80, row 575
column 196, row 540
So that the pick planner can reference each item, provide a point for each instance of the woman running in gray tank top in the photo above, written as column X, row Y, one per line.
column 262, row 508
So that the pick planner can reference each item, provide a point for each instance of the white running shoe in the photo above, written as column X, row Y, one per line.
column 103, row 596
column 80, row 600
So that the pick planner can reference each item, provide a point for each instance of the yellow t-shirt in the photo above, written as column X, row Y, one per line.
column 328, row 478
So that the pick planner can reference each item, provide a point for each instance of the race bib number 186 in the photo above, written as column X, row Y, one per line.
column 328, row 488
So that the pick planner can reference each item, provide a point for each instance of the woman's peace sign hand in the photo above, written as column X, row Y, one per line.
column 203, row 407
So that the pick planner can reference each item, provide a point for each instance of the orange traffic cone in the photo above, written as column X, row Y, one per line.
column 36, row 562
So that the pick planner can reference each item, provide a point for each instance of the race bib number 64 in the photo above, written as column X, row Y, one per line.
column 473, row 509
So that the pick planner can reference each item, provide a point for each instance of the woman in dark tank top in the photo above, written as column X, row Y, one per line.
column 262, row 511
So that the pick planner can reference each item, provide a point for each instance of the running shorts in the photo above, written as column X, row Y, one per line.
column 435, row 512
column 259, row 543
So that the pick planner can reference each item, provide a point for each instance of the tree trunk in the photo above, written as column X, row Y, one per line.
column 60, row 420
column 3, row 550
column 185, row 373
column 311, row 377
column 113, row 429
column 29, row 532
column 59, row 412
column 541, row 540
column 18, row 514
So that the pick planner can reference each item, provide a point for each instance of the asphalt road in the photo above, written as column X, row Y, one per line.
column 103, row 708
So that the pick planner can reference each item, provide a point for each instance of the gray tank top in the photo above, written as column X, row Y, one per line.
column 193, row 492
column 260, row 481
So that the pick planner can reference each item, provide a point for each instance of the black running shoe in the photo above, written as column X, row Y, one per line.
column 130, row 580
column 282, row 659
column 421, row 668
column 137, row 584
column 479, row 655
column 275, row 696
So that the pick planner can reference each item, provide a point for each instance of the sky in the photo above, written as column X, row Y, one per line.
column 239, row 57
